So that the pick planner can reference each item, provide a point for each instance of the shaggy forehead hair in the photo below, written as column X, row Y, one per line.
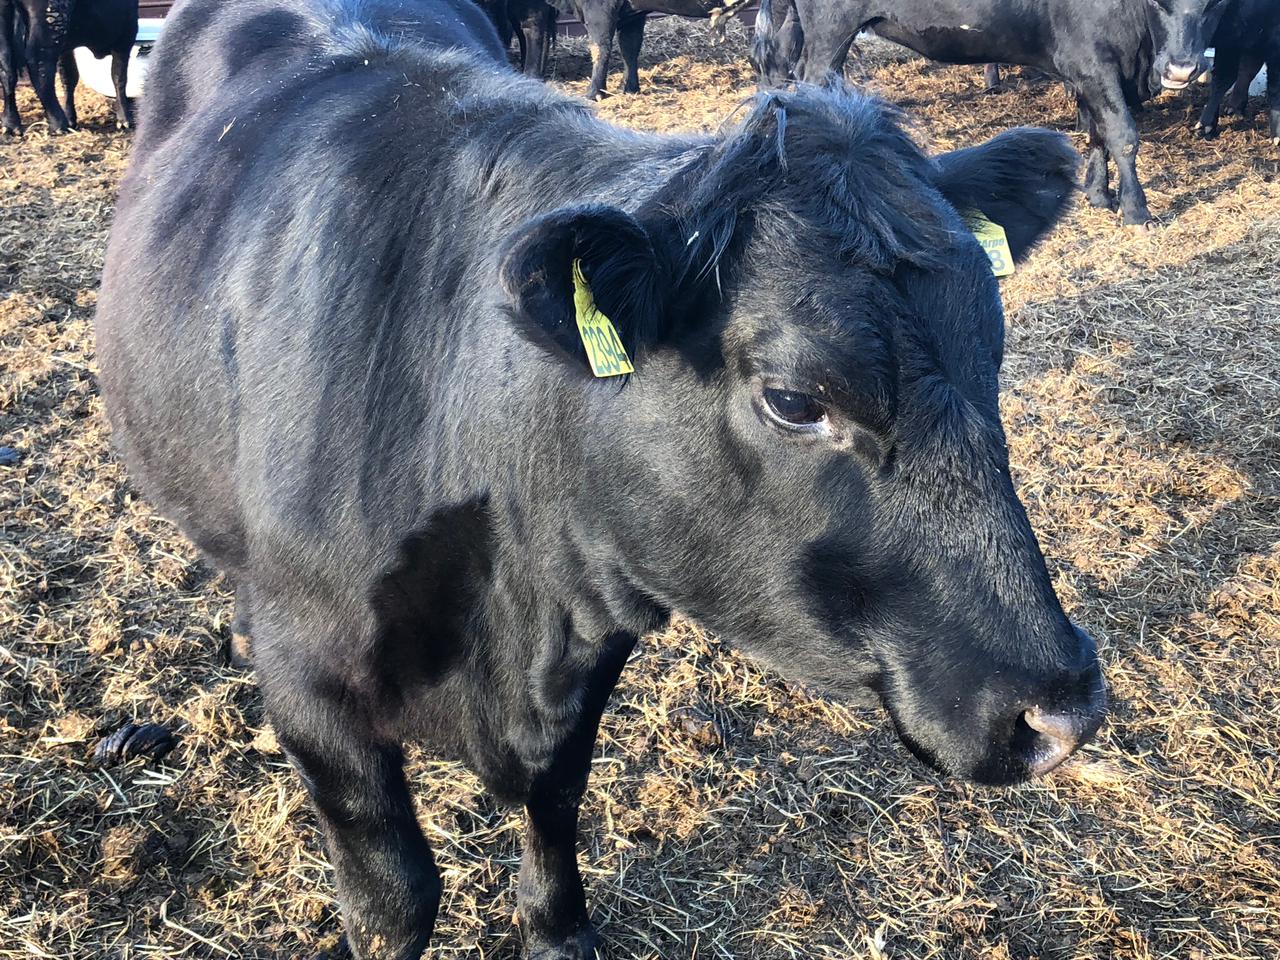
column 823, row 167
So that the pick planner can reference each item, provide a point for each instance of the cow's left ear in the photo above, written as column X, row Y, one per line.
column 1021, row 179
column 618, row 269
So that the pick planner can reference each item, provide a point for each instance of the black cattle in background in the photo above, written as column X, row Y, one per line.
column 338, row 335
column 1248, row 36
column 533, row 25
column 603, row 19
column 43, row 35
column 1113, row 54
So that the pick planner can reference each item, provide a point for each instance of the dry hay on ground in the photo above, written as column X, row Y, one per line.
column 730, row 815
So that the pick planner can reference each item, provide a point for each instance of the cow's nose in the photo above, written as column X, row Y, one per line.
column 1054, row 737
column 1050, row 729
column 1180, row 72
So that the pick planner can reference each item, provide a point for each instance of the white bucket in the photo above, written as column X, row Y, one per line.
column 96, row 73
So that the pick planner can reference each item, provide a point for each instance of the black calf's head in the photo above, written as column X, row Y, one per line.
column 809, row 459
column 1180, row 31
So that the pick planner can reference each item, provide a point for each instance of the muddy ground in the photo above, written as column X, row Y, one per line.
column 731, row 815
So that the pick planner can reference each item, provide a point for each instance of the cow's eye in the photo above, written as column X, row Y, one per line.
column 794, row 410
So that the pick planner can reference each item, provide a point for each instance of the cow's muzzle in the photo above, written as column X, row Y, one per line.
column 1178, row 76
column 1046, row 733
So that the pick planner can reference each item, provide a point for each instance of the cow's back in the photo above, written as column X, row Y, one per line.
column 212, row 51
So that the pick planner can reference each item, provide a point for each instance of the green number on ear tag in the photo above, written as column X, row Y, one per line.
column 992, row 237
column 604, row 347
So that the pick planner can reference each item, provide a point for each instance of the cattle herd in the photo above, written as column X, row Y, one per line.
column 1111, row 54
column 458, row 442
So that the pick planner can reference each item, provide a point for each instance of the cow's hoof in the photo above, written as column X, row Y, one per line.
column 580, row 946
column 148, row 740
column 1275, row 141
column 1150, row 225
column 1204, row 132
column 1102, row 201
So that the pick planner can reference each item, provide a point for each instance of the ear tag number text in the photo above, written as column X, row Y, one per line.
column 992, row 237
column 605, row 351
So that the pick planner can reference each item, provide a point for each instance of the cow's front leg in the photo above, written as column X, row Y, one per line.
column 388, row 884
column 9, row 121
column 552, row 905
column 1119, row 134
column 70, row 73
column 1222, row 77
column 828, row 30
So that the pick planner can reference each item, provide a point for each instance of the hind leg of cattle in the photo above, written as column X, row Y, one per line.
column 1273, row 98
column 537, row 28
column 630, row 37
column 601, row 21
column 120, row 79
column 45, row 41
column 1237, row 101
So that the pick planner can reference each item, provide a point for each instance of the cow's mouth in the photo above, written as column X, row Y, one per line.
column 1174, row 84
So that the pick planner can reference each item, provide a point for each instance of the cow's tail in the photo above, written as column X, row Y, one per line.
column 768, row 52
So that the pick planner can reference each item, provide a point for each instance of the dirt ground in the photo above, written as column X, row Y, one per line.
column 731, row 815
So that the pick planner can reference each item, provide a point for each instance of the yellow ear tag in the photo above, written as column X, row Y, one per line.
column 604, row 349
column 991, row 235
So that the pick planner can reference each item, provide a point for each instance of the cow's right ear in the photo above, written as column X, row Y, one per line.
column 618, row 266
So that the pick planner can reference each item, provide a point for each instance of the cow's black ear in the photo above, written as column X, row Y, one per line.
column 1022, row 179
column 618, row 264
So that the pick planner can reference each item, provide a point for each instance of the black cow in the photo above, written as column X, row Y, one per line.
column 44, row 34
column 625, row 18
column 1114, row 54
column 532, row 23
column 338, row 344
column 1247, row 37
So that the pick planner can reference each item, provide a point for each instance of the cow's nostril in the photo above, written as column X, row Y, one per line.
column 1045, row 738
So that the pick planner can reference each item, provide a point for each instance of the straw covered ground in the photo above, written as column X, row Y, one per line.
column 731, row 815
